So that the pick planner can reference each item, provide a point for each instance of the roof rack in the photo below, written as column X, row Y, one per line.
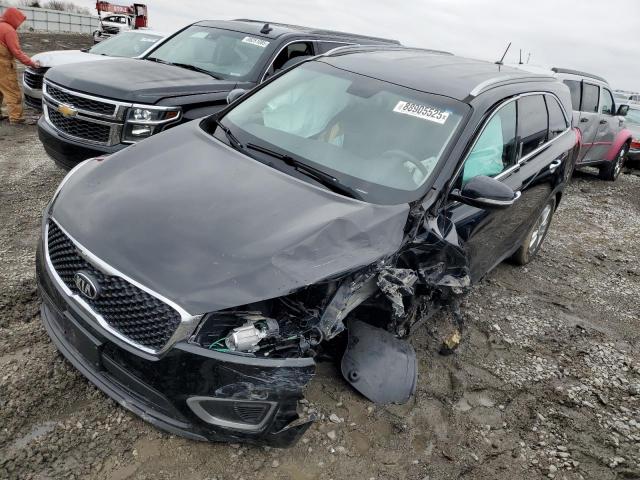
column 344, row 49
column 578, row 72
column 507, row 79
column 317, row 31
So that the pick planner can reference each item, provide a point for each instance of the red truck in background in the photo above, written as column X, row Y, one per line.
column 120, row 18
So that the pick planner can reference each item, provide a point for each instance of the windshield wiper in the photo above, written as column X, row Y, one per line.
column 157, row 60
column 233, row 140
column 319, row 176
column 187, row 66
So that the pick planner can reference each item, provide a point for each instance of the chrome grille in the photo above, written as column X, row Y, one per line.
column 81, row 103
column 127, row 309
column 34, row 79
column 80, row 128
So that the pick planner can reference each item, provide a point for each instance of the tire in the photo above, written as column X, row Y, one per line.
column 611, row 171
column 533, row 240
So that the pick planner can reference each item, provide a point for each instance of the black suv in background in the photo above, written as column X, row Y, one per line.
column 98, row 108
column 195, row 277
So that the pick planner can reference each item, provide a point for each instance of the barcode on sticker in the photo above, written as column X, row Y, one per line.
column 255, row 41
column 422, row 111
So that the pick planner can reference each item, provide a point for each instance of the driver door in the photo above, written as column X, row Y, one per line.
column 494, row 155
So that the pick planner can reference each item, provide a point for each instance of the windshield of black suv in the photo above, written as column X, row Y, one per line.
column 126, row 44
column 633, row 116
column 379, row 139
column 222, row 53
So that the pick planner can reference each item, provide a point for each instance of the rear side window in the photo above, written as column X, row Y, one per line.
column 494, row 151
column 557, row 121
column 533, row 122
column 324, row 47
column 575, row 89
column 590, row 98
column 607, row 102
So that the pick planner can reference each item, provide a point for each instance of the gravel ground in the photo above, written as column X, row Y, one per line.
column 546, row 382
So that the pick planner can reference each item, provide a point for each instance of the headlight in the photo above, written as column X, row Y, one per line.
column 143, row 121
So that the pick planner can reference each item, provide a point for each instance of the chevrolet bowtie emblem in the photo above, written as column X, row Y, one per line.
column 67, row 111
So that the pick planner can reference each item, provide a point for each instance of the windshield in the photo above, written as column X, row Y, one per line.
column 127, row 45
column 379, row 139
column 633, row 116
column 223, row 53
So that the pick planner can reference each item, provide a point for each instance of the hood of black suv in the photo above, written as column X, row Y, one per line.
column 135, row 80
column 210, row 228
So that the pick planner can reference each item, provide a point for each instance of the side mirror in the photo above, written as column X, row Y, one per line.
column 486, row 192
column 235, row 94
column 623, row 110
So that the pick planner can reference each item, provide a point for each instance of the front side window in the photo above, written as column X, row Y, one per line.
column 557, row 121
column 607, row 102
column 575, row 87
column 494, row 151
column 590, row 98
column 126, row 44
column 294, row 51
column 223, row 53
column 533, row 123
column 380, row 139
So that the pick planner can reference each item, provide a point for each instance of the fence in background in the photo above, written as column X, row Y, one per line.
column 44, row 20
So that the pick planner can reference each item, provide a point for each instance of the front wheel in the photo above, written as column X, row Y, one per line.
column 533, row 240
column 612, row 169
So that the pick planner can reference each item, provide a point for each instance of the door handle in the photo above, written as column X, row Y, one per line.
column 553, row 166
column 602, row 122
column 584, row 120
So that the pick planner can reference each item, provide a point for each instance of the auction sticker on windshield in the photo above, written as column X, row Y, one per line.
column 255, row 41
column 424, row 112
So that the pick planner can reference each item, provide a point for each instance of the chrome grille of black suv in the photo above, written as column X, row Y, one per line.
column 76, row 127
column 81, row 103
column 134, row 313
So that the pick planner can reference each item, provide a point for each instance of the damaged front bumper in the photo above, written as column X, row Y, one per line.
column 189, row 391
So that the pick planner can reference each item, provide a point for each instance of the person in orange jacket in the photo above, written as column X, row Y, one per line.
column 10, row 50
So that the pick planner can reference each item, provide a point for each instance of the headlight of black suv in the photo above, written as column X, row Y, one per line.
column 145, row 120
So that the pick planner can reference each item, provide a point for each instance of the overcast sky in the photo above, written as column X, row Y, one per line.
column 593, row 35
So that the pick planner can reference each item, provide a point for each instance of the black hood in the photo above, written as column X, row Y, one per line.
column 135, row 80
column 210, row 228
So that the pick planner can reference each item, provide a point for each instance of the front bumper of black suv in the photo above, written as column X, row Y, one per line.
column 188, row 390
column 67, row 152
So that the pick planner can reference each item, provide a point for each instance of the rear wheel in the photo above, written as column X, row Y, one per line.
column 612, row 169
column 533, row 241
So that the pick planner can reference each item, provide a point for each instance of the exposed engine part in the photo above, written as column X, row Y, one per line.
column 247, row 337
column 397, row 283
column 349, row 295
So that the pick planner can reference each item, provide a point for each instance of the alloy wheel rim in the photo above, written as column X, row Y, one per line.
column 540, row 229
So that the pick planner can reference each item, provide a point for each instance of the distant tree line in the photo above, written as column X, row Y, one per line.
column 60, row 5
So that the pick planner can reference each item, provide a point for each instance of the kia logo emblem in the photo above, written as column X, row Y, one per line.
column 86, row 285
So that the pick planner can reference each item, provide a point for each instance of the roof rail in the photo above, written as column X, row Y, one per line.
column 318, row 31
column 578, row 72
column 506, row 79
column 368, row 48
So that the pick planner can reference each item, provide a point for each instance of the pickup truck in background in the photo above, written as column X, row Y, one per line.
column 100, row 108
column 605, row 141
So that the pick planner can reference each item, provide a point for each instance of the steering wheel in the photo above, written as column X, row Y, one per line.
column 406, row 157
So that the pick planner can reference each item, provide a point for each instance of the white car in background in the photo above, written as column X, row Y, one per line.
column 132, row 44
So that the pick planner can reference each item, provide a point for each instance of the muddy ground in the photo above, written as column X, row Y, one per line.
column 546, row 383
